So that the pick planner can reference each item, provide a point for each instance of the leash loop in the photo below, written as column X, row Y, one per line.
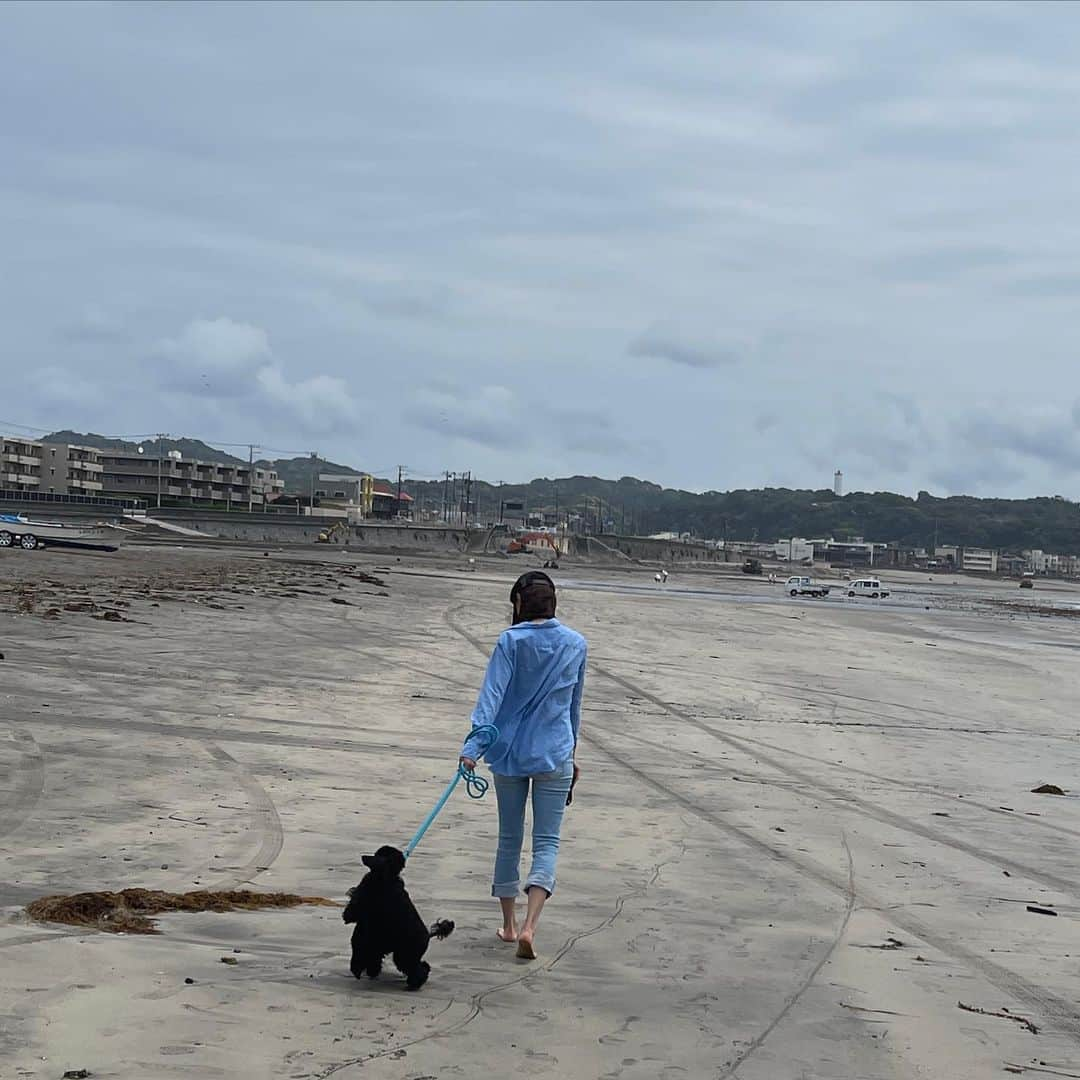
column 475, row 786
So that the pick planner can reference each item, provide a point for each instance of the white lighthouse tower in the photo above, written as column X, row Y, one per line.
column 838, row 483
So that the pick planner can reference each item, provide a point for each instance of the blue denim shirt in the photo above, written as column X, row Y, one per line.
column 532, row 694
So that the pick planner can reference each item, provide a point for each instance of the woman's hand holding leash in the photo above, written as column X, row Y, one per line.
column 467, row 764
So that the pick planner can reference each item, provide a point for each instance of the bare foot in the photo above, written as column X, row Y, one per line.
column 525, row 950
column 506, row 934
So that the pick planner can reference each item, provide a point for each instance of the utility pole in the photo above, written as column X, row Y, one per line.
column 555, row 488
column 466, row 496
column 400, row 474
column 311, row 496
column 251, row 477
column 160, row 454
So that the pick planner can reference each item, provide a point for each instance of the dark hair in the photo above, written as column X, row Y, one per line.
column 535, row 593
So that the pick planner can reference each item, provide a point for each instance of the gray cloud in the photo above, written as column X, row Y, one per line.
column 1048, row 285
column 1050, row 437
column 664, row 342
column 95, row 327
column 933, row 263
column 713, row 246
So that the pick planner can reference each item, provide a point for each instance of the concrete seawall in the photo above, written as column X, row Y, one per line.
column 289, row 529
column 398, row 537
column 668, row 552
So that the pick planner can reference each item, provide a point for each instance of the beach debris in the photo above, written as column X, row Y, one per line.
column 129, row 911
column 77, row 1074
column 1036, row 910
column 888, row 945
column 1047, row 789
column 1002, row 1013
column 339, row 600
column 862, row 1009
column 189, row 982
column 229, row 960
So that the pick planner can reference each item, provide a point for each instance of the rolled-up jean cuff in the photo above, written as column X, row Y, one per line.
column 547, row 884
column 502, row 891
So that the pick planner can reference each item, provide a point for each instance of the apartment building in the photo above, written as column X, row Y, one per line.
column 20, row 463
column 32, row 465
column 979, row 560
column 177, row 479
column 268, row 485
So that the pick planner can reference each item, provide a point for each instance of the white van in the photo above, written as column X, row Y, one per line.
column 867, row 586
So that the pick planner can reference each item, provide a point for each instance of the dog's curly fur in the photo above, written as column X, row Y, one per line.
column 387, row 923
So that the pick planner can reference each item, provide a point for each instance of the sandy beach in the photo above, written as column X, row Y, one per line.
column 804, row 844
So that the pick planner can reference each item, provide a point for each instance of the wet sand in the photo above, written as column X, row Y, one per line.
column 804, row 833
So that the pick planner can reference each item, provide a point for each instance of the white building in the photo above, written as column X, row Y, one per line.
column 1041, row 562
column 979, row 560
column 795, row 549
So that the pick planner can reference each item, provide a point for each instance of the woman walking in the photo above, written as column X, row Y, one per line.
column 532, row 694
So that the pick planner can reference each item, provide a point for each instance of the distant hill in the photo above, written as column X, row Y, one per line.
column 638, row 506
column 190, row 448
column 296, row 472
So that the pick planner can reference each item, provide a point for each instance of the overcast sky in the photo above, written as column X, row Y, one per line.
column 711, row 246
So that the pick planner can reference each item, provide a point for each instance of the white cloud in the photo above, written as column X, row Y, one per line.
column 321, row 403
column 60, row 391
column 218, row 361
column 218, row 357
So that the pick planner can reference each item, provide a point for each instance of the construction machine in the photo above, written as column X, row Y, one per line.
column 338, row 533
column 531, row 541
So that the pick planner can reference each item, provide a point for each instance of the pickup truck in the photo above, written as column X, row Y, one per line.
column 804, row 586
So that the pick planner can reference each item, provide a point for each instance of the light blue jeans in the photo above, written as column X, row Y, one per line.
column 549, row 792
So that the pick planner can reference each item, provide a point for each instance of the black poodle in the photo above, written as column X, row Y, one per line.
column 388, row 923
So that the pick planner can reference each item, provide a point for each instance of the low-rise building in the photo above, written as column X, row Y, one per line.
column 794, row 549
column 979, row 560
column 359, row 496
column 1069, row 565
column 33, row 465
column 267, row 483
column 856, row 552
column 20, row 463
column 174, row 480
column 1041, row 562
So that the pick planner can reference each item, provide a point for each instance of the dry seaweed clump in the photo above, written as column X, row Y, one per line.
column 129, row 911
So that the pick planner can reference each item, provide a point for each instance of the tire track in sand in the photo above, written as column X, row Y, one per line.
column 1057, row 1011
column 29, row 782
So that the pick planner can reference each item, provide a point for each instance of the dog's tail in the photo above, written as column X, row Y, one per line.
column 442, row 929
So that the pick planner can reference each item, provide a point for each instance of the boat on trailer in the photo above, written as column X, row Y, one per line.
column 19, row 530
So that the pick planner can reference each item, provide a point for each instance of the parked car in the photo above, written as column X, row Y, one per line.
column 805, row 586
column 867, row 586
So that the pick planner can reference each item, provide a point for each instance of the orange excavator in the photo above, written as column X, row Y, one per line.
column 530, row 541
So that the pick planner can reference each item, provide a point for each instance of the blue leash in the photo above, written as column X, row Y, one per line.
column 475, row 786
